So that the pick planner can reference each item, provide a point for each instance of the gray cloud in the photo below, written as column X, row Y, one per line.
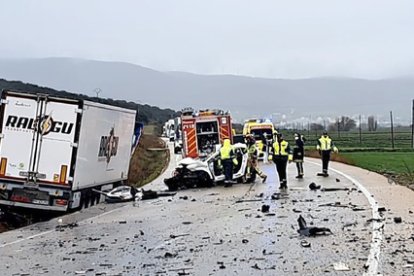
column 269, row 38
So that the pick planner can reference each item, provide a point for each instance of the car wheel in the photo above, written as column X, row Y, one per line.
column 205, row 180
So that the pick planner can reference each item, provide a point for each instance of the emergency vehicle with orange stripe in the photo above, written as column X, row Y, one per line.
column 203, row 130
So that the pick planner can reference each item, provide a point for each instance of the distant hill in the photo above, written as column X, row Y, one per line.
column 146, row 113
column 245, row 97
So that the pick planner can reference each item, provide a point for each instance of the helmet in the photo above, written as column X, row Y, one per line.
column 324, row 132
column 250, row 139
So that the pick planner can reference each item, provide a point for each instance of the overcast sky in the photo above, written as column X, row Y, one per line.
column 266, row 38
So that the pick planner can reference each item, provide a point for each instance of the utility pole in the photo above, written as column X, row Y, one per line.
column 412, row 128
column 360, row 131
column 97, row 91
column 339, row 129
column 392, row 130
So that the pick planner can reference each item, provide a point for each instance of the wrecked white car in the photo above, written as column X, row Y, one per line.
column 205, row 173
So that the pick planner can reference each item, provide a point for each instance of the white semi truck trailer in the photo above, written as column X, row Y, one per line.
column 54, row 151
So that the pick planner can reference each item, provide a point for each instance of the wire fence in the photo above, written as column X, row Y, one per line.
column 382, row 139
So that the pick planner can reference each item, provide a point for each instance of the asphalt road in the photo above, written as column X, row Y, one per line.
column 222, row 231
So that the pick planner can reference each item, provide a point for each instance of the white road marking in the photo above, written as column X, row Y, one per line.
column 95, row 217
column 377, row 225
column 28, row 238
column 51, row 231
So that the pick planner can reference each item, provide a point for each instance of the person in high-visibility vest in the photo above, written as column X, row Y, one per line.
column 281, row 155
column 228, row 158
column 325, row 147
column 252, row 164
column 299, row 153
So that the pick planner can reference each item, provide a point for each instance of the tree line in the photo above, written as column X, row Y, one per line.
column 145, row 113
column 344, row 123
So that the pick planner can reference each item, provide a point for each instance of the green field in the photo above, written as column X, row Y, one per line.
column 382, row 162
column 398, row 165
column 377, row 140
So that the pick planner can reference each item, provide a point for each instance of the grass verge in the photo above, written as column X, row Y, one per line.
column 149, row 160
column 398, row 166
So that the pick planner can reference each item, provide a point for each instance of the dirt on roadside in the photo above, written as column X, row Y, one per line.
column 149, row 160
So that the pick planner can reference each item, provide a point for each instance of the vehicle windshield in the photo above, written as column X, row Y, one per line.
column 261, row 133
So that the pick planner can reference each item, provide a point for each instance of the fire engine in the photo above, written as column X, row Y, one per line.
column 203, row 130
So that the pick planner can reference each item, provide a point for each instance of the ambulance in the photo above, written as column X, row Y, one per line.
column 262, row 130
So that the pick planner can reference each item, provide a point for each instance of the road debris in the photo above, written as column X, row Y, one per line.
column 265, row 208
column 349, row 224
column 127, row 193
column 337, row 189
column 398, row 220
column 61, row 227
column 247, row 200
column 311, row 231
column 277, row 196
column 170, row 255
column 305, row 244
column 340, row 205
column 314, row 187
column 340, row 267
column 172, row 236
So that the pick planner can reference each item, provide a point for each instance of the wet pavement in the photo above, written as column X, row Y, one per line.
column 220, row 231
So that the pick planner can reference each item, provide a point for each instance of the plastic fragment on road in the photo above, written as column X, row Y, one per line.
column 305, row 244
column 340, row 267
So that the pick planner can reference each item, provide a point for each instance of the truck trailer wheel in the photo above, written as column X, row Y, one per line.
column 85, row 199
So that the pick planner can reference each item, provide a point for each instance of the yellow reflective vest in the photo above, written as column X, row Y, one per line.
column 252, row 150
column 281, row 149
column 325, row 143
column 226, row 151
